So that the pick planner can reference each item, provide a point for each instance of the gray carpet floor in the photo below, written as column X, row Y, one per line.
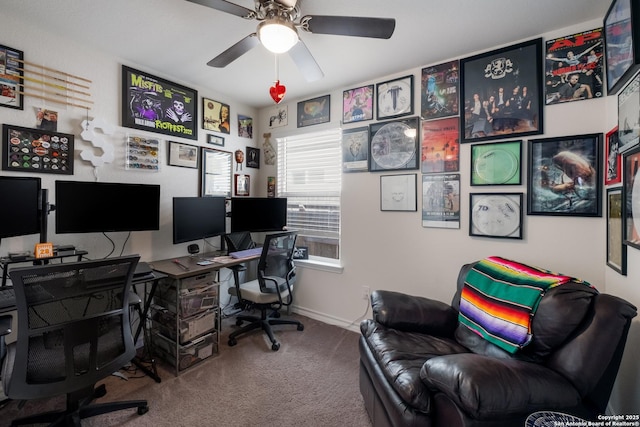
column 311, row 381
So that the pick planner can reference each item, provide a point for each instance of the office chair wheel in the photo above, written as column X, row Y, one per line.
column 301, row 327
column 232, row 342
column 143, row 409
column 275, row 346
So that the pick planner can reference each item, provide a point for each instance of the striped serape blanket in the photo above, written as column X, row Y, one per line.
column 500, row 297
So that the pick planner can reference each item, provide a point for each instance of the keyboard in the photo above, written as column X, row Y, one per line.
column 7, row 297
column 246, row 253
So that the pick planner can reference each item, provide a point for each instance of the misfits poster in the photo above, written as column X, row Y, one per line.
column 573, row 67
column 157, row 105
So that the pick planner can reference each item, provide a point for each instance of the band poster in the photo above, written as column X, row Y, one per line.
column 441, row 201
column 574, row 67
column 439, row 92
column 440, row 146
column 157, row 105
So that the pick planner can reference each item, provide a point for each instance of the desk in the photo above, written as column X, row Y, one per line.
column 6, row 261
column 186, row 316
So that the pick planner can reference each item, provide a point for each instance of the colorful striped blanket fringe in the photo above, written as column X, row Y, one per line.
column 500, row 297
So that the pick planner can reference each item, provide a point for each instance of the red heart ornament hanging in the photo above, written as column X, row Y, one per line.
column 277, row 91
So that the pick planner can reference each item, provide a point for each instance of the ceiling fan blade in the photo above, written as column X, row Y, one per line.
column 305, row 62
column 235, row 51
column 225, row 6
column 379, row 28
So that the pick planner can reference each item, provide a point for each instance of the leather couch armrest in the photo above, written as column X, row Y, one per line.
column 413, row 314
column 5, row 325
column 486, row 388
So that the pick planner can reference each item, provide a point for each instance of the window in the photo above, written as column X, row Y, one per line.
column 310, row 177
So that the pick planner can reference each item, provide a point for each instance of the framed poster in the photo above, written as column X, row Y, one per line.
column 441, row 201
column 253, row 157
column 564, row 176
column 11, row 73
column 398, row 192
column 314, row 111
column 278, row 116
column 215, row 172
column 245, row 126
column 496, row 215
column 357, row 104
column 629, row 115
column 612, row 159
column 501, row 92
column 394, row 145
column 215, row 116
column 621, row 42
column 184, row 155
column 395, row 98
column 355, row 149
column 242, row 184
column 439, row 90
column 36, row 150
column 631, row 209
column 574, row 67
column 440, row 146
column 496, row 163
column 157, row 105
column 616, row 249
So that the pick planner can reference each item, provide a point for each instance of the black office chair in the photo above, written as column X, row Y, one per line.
column 272, row 290
column 73, row 331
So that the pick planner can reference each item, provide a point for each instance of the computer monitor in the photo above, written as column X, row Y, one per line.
column 256, row 214
column 196, row 218
column 88, row 207
column 20, row 214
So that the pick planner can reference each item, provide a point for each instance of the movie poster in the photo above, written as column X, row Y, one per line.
column 574, row 67
column 439, row 94
column 440, row 146
column 157, row 105
column 441, row 201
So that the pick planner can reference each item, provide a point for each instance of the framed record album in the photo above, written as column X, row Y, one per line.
column 496, row 163
column 496, row 215
column 395, row 98
column 394, row 145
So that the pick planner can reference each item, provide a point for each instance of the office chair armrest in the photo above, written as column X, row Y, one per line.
column 5, row 325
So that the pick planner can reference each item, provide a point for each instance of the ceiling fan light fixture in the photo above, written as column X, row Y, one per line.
column 277, row 35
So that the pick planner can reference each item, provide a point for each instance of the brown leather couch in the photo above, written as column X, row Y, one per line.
column 418, row 367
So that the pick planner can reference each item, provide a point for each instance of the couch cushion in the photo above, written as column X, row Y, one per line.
column 401, row 355
column 489, row 388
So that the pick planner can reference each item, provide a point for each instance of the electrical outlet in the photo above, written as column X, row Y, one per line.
column 365, row 292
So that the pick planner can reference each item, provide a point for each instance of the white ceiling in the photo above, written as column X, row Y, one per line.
column 176, row 38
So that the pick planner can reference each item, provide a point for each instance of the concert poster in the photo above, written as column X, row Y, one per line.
column 439, row 90
column 441, row 201
column 157, row 105
column 574, row 67
column 440, row 146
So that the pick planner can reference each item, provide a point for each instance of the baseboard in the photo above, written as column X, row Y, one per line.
column 331, row 320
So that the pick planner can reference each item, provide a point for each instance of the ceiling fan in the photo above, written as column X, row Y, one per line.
column 278, row 31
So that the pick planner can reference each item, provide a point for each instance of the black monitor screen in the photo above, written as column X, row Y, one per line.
column 20, row 213
column 197, row 218
column 88, row 207
column 258, row 213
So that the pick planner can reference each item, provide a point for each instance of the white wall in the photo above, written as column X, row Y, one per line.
column 382, row 250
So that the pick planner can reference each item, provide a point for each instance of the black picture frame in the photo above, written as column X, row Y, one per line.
column 621, row 43
column 216, row 116
column 357, row 104
column 253, row 157
column 394, row 98
column 183, row 155
column 497, row 215
column 440, row 87
column 616, row 249
column 394, row 145
column 628, row 113
column 314, row 111
column 157, row 105
column 11, row 78
column 496, row 163
column 502, row 74
column 355, row 149
column 36, row 150
column 631, row 188
column 565, row 176
column 612, row 158
column 398, row 193
column 215, row 140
